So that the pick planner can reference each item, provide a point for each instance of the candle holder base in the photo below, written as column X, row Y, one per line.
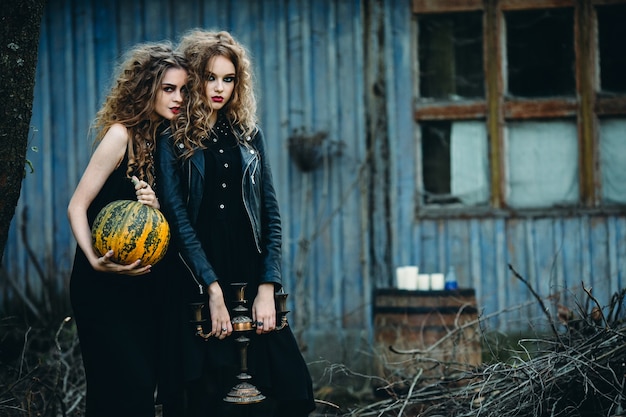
column 244, row 393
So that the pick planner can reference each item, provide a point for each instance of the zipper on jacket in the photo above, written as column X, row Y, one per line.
column 245, row 204
column 188, row 182
column 256, row 165
column 200, row 287
column 193, row 276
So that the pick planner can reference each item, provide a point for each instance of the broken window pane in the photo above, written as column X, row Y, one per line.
column 451, row 56
column 542, row 164
column 613, row 160
column 455, row 165
column 612, row 48
column 436, row 162
column 540, row 53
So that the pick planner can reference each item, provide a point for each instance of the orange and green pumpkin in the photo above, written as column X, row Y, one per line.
column 133, row 231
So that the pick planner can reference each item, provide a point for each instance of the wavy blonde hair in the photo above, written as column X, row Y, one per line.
column 192, row 125
column 132, row 99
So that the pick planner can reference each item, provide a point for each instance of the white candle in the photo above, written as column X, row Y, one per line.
column 406, row 277
column 402, row 278
column 411, row 277
column 423, row 282
column 436, row 281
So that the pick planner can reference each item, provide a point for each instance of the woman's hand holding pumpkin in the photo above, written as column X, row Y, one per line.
column 105, row 264
column 145, row 193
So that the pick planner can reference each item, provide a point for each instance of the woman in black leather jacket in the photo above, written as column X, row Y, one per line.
column 215, row 187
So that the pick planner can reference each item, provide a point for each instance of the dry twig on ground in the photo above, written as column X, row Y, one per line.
column 579, row 371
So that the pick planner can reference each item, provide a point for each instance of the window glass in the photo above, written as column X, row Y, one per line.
column 612, row 47
column 469, row 178
column 451, row 55
column 455, row 167
column 613, row 160
column 436, row 162
column 542, row 164
column 540, row 53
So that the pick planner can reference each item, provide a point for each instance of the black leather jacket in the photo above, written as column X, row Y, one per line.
column 180, row 186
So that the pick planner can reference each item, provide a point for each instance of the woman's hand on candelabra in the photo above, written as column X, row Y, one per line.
column 264, row 309
column 220, row 319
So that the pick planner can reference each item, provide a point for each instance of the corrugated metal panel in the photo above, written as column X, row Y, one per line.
column 308, row 59
column 555, row 254
column 348, row 223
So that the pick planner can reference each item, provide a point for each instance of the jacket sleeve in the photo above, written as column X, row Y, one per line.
column 172, row 191
column 271, row 230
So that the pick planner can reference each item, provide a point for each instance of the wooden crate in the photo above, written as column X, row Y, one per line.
column 441, row 324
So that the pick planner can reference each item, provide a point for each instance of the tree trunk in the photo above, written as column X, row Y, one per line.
column 20, row 23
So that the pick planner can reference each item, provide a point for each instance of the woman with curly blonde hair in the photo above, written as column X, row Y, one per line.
column 117, row 316
column 196, row 122
column 218, row 196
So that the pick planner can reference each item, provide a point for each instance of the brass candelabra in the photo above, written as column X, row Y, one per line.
column 244, row 392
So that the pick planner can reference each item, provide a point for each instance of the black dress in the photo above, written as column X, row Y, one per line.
column 274, row 360
column 116, row 317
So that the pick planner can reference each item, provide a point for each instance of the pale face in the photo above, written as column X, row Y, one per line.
column 170, row 95
column 220, row 83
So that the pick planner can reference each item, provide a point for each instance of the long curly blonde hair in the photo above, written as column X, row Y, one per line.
column 192, row 125
column 132, row 99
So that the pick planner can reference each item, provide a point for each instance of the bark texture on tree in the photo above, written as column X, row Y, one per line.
column 20, row 23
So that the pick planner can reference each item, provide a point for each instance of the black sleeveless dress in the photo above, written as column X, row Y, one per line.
column 116, row 317
column 274, row 360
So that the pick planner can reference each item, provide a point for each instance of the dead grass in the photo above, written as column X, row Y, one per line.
column 577, row 369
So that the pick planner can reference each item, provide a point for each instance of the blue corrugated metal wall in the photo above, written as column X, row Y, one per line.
column 307, row 57
column 556, row 253
column 348, row 223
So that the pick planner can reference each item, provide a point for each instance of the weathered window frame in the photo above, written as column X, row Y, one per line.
column 497, row 110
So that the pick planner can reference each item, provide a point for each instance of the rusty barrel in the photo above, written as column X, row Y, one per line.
column 440, row 328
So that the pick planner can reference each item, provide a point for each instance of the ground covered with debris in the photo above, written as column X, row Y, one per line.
column 577, row 368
